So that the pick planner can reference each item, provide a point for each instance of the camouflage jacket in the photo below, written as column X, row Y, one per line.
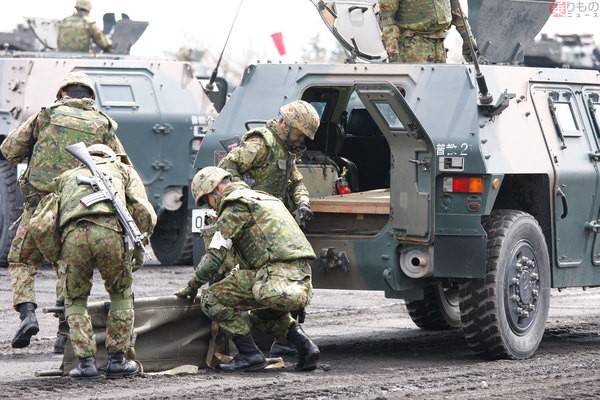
column 429, row 17
column 260, row 229
column 51, row 220
column 269, row 166
column 41, row 140
column 75, row 32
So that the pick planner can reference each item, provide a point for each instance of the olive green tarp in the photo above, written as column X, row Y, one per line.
column 169, row 332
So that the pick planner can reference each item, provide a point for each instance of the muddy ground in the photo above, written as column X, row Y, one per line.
column 370, row 350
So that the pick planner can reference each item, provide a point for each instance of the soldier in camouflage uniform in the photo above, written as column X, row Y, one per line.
column 266, row 156
column 413, row 31
column 75, row 31
column 40, row 141
column 92, row 237
column 266, row 160
column 274, row 276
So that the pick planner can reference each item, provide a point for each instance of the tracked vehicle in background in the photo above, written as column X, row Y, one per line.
column 475, row 189
column 162, row 110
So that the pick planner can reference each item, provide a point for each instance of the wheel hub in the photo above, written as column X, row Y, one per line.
column 523, row 288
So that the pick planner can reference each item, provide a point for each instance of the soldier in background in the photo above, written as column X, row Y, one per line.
column 75, row 31
column 274, row 275
column 413, row 31
column 40, row 141
column 266, row 160
column 92, row 237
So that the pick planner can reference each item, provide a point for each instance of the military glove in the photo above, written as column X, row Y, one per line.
column 306, row 215
column 139, row 255
column 466, row 50
column 190, row 291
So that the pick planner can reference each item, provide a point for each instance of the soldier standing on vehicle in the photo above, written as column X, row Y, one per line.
column 93, row 237
column 413, row 31
column 274, row 275
column 266, row 160
column 75, row 31
column 40, row 141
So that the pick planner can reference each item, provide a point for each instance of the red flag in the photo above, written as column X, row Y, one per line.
column 278, row 40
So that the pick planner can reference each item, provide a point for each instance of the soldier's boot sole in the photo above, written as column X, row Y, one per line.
column 23, row 336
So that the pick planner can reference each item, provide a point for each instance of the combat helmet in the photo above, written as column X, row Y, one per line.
column 101, row 150
column 206, row 180
column 85, row 5
column 76, row 78
column 301, row 115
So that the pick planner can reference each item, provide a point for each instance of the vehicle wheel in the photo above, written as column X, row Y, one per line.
column 504, row 315
column 438, row 310
column 8, row 207
column 172, row 237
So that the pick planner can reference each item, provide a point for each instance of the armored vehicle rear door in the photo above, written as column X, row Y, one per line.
column 411, row 184
column 571, row 145
column 354, row 24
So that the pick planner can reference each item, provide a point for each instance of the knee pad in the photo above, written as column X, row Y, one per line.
column 121, row 301
column 75, row 306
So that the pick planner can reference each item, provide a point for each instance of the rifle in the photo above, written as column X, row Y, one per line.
column 103, row 190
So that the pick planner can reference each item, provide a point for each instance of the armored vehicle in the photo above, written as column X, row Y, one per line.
column 475, row 189
column 574, row 51
column 162, row 110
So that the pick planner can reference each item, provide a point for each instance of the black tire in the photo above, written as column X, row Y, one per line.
column 8, row 207
column 172, row 238
column 504, row 315
column 438, row 310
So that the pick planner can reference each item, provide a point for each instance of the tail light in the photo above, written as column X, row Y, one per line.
column 463, row 184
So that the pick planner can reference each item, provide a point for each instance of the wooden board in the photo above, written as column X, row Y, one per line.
column 371, row 202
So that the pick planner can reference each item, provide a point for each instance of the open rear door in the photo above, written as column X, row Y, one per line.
column 412, row 169
column 354, row 24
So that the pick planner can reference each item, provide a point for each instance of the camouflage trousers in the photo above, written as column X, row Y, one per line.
column 85, row 246
column 269, row 295
column 418, row 49
column 24, row 261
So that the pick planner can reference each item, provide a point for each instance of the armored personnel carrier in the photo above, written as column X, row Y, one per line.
column 573, row 51
column 162, row 110
column 475, row 189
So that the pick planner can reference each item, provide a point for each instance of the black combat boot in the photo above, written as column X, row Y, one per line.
column 308, row 352
column 118, row 366
column 282, row 349
column 86, row 369
column 61, row 336
column 60, row 342
column 29, row 325
column 248, row 358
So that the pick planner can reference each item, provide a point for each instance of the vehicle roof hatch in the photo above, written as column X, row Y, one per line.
column 354, row 24
column 504, row 28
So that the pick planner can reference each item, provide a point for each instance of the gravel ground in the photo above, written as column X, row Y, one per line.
column 370, row 349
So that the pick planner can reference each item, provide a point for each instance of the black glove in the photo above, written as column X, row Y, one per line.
column 190, row 291
column 306, row 215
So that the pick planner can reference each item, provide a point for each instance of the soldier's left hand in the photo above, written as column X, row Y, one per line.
column 306, row 214
column 187, row 292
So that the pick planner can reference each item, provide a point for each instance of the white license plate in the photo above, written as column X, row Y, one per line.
column 199, row 218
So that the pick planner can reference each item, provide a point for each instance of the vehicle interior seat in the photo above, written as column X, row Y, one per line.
column 366, row 146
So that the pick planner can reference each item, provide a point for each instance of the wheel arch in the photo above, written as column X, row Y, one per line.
column 530, row 193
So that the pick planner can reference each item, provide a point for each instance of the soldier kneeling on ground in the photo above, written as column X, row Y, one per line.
column 274, row 276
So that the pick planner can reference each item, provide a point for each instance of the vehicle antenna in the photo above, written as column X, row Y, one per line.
column 484, row 95
column 213, row 76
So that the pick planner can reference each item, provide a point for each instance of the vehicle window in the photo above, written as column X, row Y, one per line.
column 565, row 116
column 114, row 95
column 319, row 106
column 389, row 115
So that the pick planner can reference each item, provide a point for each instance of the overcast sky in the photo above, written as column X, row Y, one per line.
column 205, row 23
